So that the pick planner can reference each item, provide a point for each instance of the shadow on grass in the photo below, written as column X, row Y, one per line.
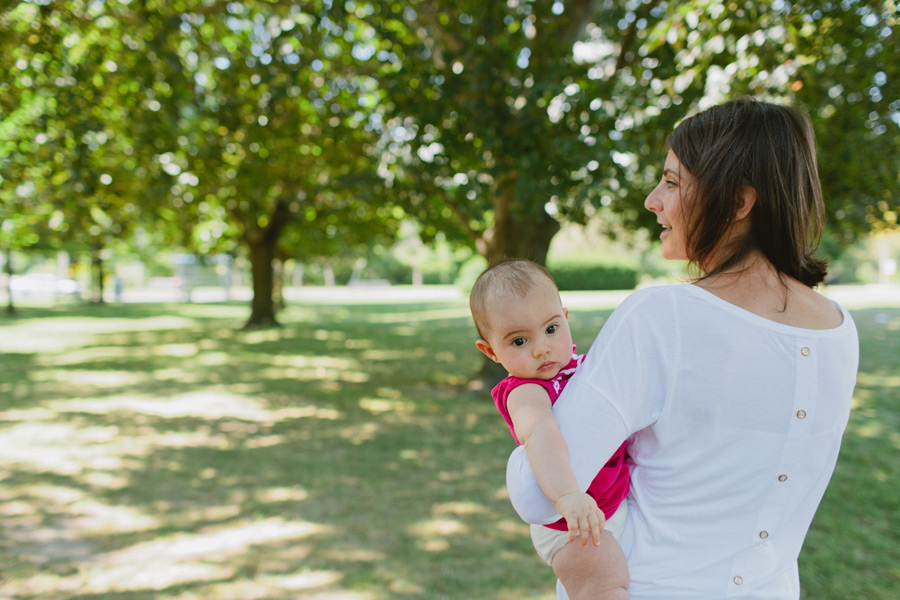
column 158, row 451
column 852, row 550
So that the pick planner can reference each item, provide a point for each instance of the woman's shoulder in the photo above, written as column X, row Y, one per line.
column 648, row 308
column 652, row 297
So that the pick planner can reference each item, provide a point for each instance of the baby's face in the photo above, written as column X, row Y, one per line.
column 530, row 336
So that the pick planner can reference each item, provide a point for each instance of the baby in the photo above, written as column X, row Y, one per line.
column 522, row 324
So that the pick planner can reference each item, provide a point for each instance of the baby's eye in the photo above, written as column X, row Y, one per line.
column 519, row 342
column 552, row 329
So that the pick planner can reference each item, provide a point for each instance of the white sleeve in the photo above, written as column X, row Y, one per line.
column 527, row 497
column 586, row 452
column 618, row 390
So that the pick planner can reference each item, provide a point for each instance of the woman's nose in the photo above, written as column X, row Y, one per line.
column 652, row 203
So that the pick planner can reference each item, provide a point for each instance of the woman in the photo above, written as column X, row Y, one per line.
column 733, row 391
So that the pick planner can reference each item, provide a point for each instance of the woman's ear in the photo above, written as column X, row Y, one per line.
column 487, row 350
column 748, row 201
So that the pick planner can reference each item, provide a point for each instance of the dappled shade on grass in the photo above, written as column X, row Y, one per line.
column 162, row 452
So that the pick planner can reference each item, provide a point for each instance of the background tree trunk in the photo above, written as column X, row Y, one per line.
column 8, row 269
column 263, row 247
column 262, row 307
column 97, row 277
column 278, row 283
column 519, row 236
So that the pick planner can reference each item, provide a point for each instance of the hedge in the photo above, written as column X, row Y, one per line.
column 592, row 273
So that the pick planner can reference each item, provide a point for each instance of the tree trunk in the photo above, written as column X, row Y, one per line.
column 517, row 236
column 97, row 276
column 8, row 269
column 278, row 283
column 262, row 256
column 328, row 274
column 263, row 247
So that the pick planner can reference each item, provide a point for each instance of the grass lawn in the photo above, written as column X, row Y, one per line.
column 159, row 452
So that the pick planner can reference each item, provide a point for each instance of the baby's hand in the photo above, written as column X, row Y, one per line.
column 583, row 516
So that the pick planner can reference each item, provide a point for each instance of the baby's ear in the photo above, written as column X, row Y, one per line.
column 487, row 350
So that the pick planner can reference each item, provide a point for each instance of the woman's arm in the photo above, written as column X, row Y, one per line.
column 588, row 450
column 529, row 408
column 525, row 492
column 536, row 428
column 619, row 389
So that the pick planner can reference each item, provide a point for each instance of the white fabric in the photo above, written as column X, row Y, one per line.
column 547, row 542
column 709, row 395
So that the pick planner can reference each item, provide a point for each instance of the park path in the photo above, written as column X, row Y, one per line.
column 850, row 295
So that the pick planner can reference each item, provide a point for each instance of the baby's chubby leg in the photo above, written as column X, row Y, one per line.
column 593, row 572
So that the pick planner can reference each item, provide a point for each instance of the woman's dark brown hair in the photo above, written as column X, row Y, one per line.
column 770, row 148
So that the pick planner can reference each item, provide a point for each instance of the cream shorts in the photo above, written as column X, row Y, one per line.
column 548, row 541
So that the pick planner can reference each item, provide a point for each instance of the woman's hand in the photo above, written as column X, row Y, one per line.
column 584, row 518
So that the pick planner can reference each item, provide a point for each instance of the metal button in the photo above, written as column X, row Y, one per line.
column 804, row 351
column 739, row 580
column 801, row 414
column 763, row 535
column 782, row 477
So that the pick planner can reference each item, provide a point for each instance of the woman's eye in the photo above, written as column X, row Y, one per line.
column 519, row 342
column 552, row 329
column 671, row 184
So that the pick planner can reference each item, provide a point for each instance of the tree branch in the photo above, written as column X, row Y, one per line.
column 564, row 31
column 631, row 33
column 428, row 15
column 581, row 13
column 461, row 216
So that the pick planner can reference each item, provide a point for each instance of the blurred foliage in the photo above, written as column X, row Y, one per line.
column 510, row 116
column 309, row 130
column 219, row 123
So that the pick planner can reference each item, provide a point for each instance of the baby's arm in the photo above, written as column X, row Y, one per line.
column 538, row 431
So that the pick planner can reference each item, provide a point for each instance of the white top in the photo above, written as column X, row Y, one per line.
column 735, row 423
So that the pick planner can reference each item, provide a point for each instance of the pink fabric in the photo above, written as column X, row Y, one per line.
column 610, row 487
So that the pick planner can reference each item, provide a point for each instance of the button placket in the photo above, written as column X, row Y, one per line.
column 806, row 387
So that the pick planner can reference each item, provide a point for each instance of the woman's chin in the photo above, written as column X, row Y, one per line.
column 671, row 254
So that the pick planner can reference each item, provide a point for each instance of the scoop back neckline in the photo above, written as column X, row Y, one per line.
column 769, row 323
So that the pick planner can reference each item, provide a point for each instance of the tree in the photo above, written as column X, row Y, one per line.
column 491, row 122
column 848, row 76
column 74, row 153
column 489, row 107
column 221, row 120
column 276, row 131
column 836, row 60
column 22, row 105
column 509, row 117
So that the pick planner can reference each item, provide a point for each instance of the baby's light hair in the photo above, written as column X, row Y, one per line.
column 511, row 278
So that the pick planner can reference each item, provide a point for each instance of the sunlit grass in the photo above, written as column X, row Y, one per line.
column 158, row 451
